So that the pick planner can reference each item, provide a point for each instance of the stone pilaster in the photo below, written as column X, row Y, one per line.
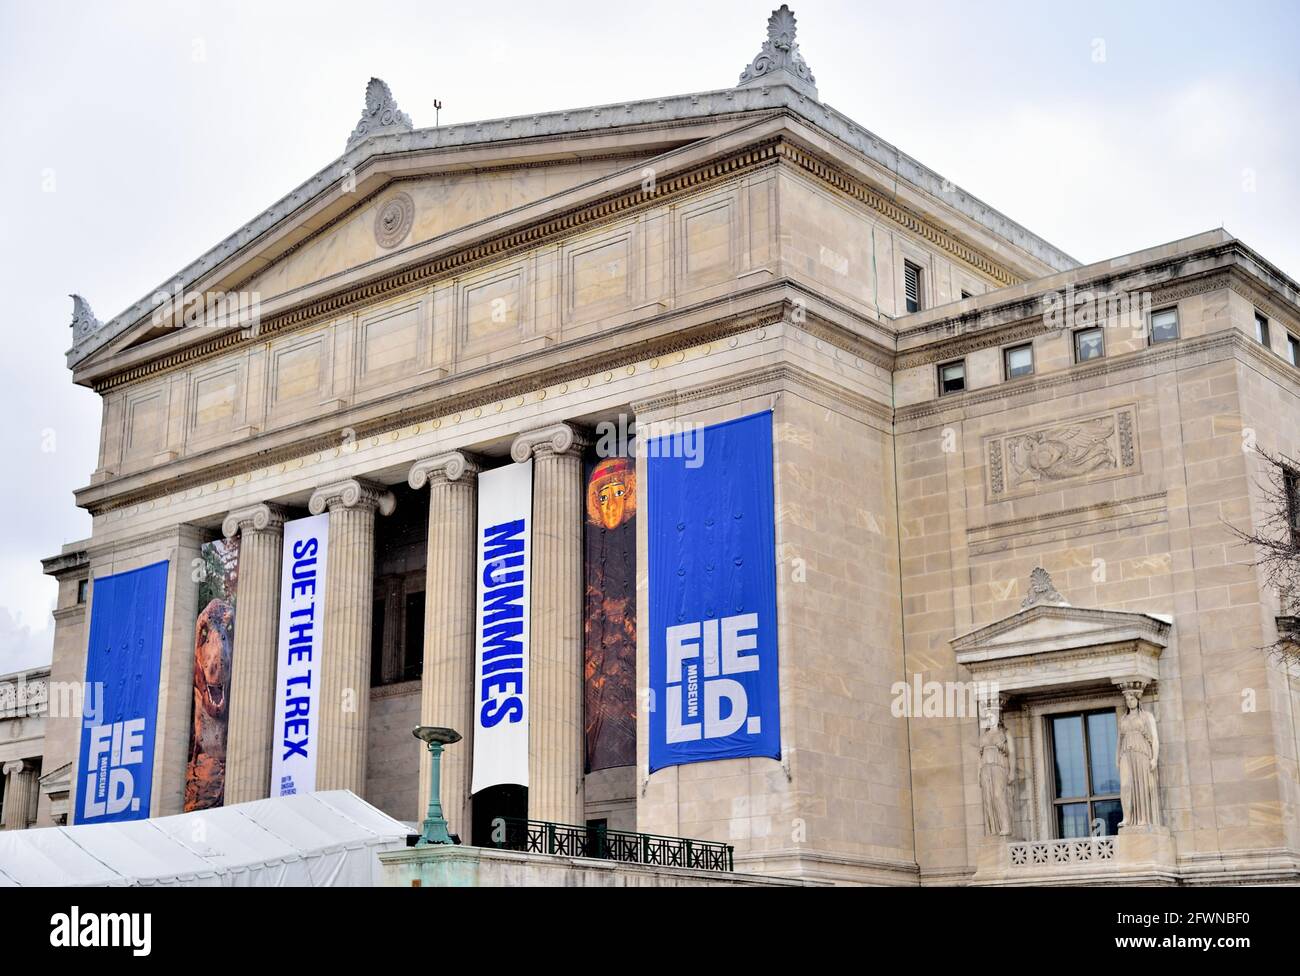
column 555, row 654
column 447, row 685
column 253, row 661
column 345, row 648
column 20, row 786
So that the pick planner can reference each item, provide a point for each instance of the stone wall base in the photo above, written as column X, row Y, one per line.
column 462, row 866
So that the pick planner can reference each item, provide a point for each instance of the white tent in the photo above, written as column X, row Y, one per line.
column 313, row 840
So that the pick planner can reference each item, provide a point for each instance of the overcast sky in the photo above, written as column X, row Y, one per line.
column 138, row 135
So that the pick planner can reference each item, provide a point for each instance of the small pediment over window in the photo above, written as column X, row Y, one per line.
column 1049, row 645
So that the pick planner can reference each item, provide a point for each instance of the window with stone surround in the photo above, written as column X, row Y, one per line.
column 1085, row 776
column 952, row 377
column 912, row 283
column 1089, row 344
column 1291, row 483
column 1018, row 361
column 1293, row 349
column 1164, row 325
column 1261, row 330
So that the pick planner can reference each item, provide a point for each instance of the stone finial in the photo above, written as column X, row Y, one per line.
column 779, row 60
column 1041, row 590
column 381, row 115
column 84, row 322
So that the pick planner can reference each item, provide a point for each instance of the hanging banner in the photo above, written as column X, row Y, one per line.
column 712, row 561
column 123, row 663
column 302, row 630
column 505, row 546
column 214, row 644
column 609, row 618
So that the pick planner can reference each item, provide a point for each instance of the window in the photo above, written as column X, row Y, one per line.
column 1261, row 330
column 83, row 590
column 912, row 286
column 1085, row 774
column 1291, row 487
column 1293, row 349
column 1018, row 360
column 1089, row 344
column 413, row 646
column 952, row 377
column 1164, row 325
column 377, row 615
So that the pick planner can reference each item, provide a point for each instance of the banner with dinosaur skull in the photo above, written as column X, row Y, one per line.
column 214, row 644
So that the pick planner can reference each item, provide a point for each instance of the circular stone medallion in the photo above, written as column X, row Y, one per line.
column 394, row 219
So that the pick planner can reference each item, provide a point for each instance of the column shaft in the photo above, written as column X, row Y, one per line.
column 345, row 648
column 555, row 769
column 253, row 662
column 447, row 684
column 20, row 785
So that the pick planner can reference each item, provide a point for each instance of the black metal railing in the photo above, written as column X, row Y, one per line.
column 569, row 840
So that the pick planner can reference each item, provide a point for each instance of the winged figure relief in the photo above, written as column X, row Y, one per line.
column 1062, row 452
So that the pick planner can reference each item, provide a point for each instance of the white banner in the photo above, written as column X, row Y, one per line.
column 302, row 631
column 505, row 528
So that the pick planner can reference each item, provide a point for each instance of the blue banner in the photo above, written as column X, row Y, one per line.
column 713, row 656
column 123, row 662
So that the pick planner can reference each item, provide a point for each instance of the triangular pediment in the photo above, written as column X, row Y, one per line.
column 359, row 213
column 1049, row 627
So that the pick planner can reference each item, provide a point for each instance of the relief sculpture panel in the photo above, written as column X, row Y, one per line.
column 1020, row 462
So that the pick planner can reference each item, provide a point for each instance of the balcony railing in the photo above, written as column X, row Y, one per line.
column 568, row 840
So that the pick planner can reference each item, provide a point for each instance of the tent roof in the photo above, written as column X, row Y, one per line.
column 315, row 839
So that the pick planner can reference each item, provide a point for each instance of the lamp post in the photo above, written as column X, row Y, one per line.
column 435, row 824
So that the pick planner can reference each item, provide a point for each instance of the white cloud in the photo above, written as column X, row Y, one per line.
column 20, row 646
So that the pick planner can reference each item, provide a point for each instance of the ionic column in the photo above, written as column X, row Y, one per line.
column 447, row 684
column 20, row 793
column 253, row 660
column 555, row 652
column 345, row 644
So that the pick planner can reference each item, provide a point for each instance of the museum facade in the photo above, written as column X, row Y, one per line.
column 716, row 470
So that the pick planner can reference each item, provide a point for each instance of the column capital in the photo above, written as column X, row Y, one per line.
column 559, row 438
column 15, row 766
column 452, row 466
column 353, row 493
column 260, row 517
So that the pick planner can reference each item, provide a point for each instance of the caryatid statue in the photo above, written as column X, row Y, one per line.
column 996, row 772
column 1137, row 752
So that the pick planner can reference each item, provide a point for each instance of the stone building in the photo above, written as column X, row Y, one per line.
column 1003, row 484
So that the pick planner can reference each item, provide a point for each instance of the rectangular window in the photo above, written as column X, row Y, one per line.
column 1261, row 330
column 1085, row 774
column 952, row 377
column 1018, row 360
column 1164, row 325
column 1293, row 349
column 413, row 646
column 1089, row 344
column 1291, row 487
column 83, row 590
column 377, row 615
column 912, row 286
